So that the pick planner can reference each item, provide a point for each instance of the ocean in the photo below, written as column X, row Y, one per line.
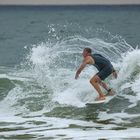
column 40, row 51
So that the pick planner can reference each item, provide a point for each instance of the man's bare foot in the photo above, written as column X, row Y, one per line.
column 100, row 98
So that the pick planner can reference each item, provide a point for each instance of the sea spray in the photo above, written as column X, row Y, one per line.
column 54, row 66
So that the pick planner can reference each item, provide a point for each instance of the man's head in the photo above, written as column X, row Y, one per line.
column 86, row 52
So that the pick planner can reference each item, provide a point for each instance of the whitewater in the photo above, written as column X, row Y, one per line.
column 44, row 100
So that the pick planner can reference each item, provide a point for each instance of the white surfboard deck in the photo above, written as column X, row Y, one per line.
column 107, row 99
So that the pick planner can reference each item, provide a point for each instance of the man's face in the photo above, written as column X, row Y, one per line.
column 85, row 53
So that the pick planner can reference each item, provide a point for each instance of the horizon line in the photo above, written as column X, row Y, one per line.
column 67, row 2
column 97, row 4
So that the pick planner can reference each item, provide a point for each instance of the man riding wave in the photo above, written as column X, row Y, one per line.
column 104, row 67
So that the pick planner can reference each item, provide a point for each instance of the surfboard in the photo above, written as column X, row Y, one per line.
column 107, row 99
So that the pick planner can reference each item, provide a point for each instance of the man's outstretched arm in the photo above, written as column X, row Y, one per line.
column 87, row 60
column 82, row 66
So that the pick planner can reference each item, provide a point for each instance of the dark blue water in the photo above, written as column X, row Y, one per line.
column 25, row 25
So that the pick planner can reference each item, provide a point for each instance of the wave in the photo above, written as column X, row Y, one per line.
column 45, row 79
column 129, row 75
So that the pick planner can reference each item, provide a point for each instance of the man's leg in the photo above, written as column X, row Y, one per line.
column 95, row 80
column 104, row 85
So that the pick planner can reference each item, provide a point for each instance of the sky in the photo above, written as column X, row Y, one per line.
column 66, row 2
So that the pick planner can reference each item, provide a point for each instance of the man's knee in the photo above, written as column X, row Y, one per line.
column 95, row 79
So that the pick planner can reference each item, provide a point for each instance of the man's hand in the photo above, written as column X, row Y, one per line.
column 115, row 74
column 77, row 73
column 76, row 76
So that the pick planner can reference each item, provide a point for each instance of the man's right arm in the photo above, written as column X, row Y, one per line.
column 82, row 66
column 87, row 60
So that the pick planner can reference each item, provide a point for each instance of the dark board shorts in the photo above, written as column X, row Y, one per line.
column 105, row 72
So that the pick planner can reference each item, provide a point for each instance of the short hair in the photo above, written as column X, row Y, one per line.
column 88, row 50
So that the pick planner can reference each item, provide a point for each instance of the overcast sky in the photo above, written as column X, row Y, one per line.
column 61, row 2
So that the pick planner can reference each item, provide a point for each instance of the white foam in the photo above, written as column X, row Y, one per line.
column 50, row 68
column 79, row 92
column 60, row 128
column 129, row 76
column 13, row 77
column 54, row 66
column 118, row 118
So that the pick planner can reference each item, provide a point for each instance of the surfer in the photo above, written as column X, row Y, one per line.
column 104, row 67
